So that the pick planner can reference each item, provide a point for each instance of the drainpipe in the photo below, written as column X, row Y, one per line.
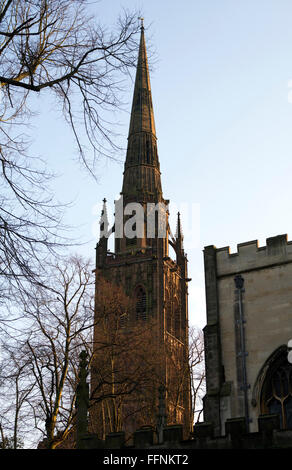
column 239, row 281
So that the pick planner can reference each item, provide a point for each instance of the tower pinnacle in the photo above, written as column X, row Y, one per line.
column 103, row 223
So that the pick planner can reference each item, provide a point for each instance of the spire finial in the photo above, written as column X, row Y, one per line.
column 142, row 21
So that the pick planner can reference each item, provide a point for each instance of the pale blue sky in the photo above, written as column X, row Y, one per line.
column 220, row 88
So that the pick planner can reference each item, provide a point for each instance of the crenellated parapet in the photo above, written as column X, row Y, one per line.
column 269, row 436
column 250, row 256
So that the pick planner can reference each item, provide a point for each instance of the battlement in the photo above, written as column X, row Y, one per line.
column 269, row 436
column 250, row 256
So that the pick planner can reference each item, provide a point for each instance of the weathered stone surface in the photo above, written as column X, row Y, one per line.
column 143, row 438
column 266, row 305
column 115, row 440
column 173, row 433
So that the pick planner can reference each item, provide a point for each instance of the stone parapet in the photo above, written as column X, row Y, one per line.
column 173, row 433
column 250, row 256
column 269, row 436
column 143, row 437
column 115, row 440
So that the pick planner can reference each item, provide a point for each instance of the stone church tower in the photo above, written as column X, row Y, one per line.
column 141, row 263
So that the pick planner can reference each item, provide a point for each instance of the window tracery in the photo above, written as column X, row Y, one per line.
column 277, row 391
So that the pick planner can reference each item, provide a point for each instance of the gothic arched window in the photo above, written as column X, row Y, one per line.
column 276, row 394
column 140, row 303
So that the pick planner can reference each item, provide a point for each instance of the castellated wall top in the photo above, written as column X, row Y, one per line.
column 250, row 256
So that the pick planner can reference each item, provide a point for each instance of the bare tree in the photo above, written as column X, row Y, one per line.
column 56, row 45
column 178, row 379
column 39, row 371
column 197, row 372
column 15, row 388
column 52, row 47
column 56, row 327
column 57, row 324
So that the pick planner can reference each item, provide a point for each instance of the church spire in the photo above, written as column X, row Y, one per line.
column 142, row 173
column 142, row 116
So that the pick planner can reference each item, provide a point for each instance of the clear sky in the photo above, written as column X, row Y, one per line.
column 222, row 94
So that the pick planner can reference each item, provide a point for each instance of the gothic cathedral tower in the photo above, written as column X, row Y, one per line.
column 141, row 263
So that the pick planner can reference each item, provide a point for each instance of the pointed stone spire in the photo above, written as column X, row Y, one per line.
column 142, row 174
column 142, row 116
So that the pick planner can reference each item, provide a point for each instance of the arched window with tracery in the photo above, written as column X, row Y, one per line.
column 276, row 396
column 141, row 313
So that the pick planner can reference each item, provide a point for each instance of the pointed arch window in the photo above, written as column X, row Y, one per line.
column 141, row 303
column 276, row 394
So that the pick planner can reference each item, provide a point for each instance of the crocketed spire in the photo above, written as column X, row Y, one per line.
column 142, row 173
